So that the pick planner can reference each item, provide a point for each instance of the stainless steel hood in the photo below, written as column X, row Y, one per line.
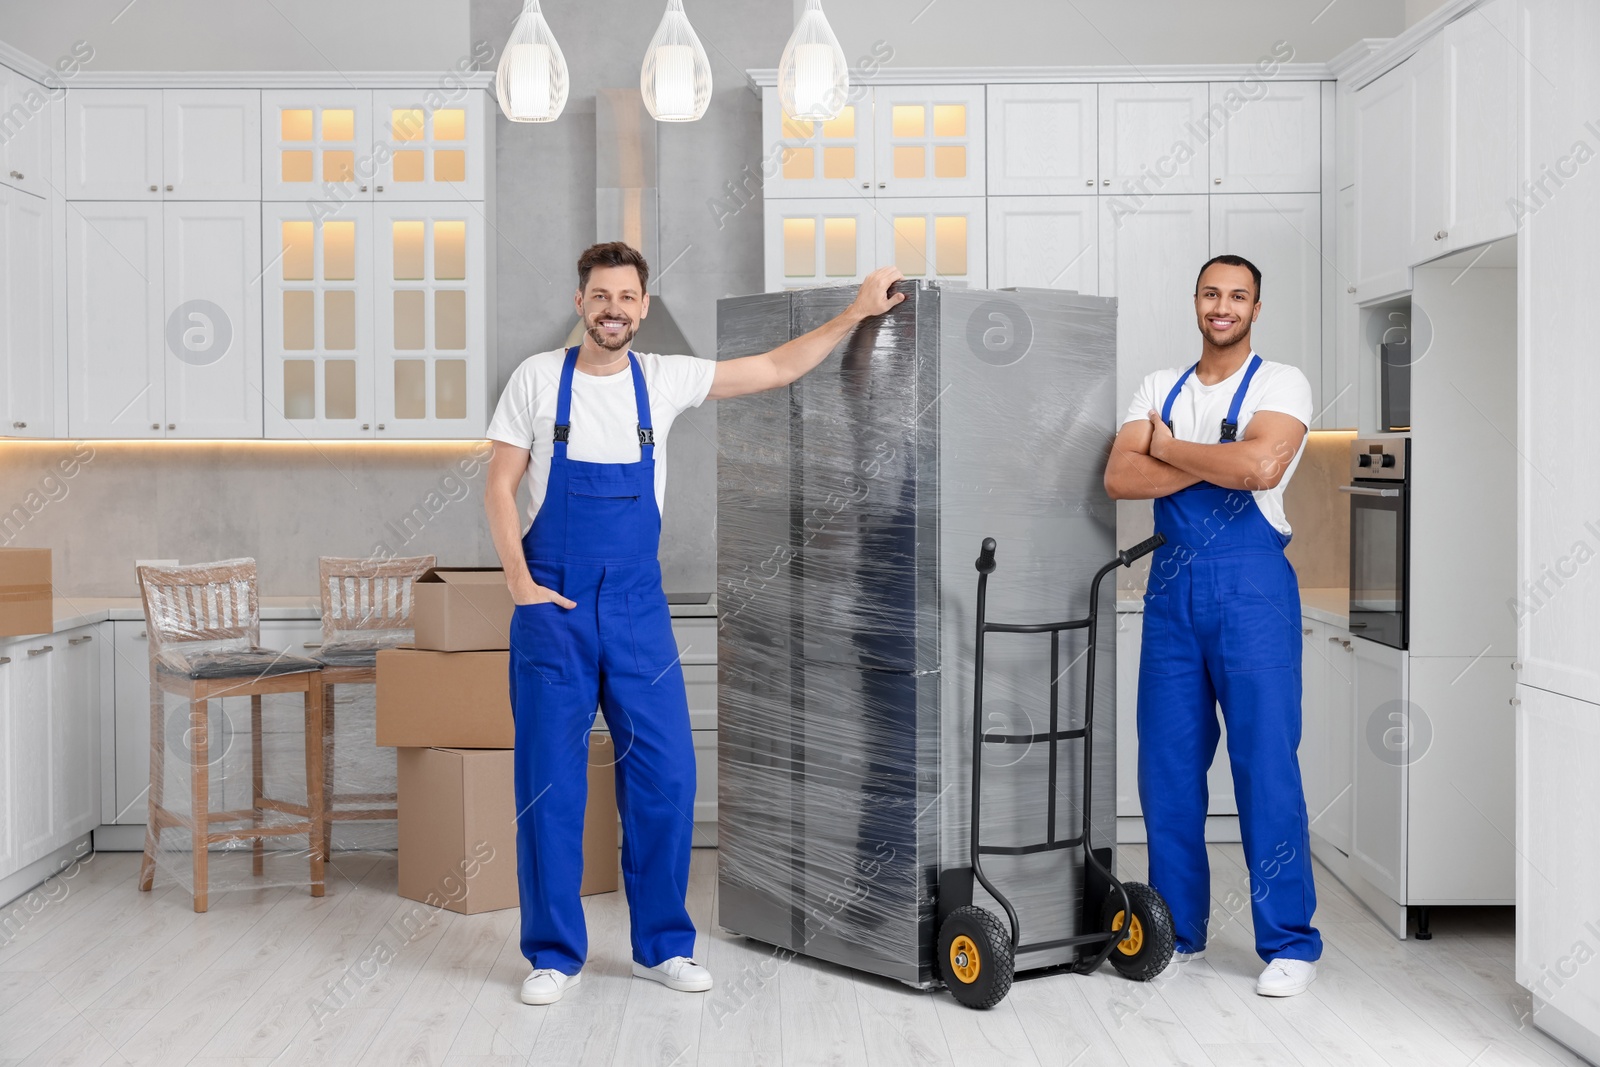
column 626, row 205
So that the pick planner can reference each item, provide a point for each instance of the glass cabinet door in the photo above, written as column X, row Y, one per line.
column 816, row 158
column 430, row 144
column 317, row 144
column 818, row 242
column 930, row 140
column 938, row 238
column 317, row 286
column 429, row 320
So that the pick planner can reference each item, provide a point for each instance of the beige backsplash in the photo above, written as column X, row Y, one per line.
column 1318, row 513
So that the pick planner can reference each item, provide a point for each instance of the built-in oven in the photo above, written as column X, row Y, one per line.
column 1380, row 557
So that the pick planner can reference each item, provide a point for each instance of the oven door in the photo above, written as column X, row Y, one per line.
column 1378, row 561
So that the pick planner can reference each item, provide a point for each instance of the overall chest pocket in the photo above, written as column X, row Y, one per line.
column 610, row 514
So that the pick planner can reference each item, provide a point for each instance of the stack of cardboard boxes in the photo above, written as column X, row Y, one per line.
column 444, row 702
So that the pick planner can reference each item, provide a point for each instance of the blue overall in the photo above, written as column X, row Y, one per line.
column 595, row 540
column 1222, row 624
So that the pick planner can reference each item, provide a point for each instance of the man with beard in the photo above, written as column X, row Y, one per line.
column 591, row 624
column 1214, row 446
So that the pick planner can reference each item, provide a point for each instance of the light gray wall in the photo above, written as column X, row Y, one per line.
column 976, row 33
column 341, row 35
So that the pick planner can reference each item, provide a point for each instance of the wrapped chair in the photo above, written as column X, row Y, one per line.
column 205, row 637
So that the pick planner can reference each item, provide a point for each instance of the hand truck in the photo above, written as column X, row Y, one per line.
column 1127, row 922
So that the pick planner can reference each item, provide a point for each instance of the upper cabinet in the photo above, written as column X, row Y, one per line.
column 163, row 144
column 1043, row 140
column 1268, row 137
column 426, row 151
column 1385, row 173
column 25, row 147
column 1281, row 233
column 828, row 241
column 1153, row 137
column 897, row 140
column 26, row 338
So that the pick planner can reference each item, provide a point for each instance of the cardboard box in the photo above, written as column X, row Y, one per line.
column 444, row 699
column 462, row 609
column 458, row 833
column 26, row 602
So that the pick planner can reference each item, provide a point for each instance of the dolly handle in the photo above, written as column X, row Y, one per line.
column 985, row 563
column 1143, row 548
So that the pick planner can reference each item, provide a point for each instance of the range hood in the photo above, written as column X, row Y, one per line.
column 625, row 200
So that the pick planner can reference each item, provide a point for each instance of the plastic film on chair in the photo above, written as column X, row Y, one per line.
column 851, row 507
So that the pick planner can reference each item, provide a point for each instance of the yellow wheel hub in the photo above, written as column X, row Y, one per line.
column 1130, row 945
column 964, row 961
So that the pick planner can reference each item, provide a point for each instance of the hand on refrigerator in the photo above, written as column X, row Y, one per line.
column 875, row 296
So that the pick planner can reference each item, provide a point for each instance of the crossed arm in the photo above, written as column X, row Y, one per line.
column 1147, row 461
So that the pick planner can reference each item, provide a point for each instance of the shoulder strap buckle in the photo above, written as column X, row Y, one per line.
column 562, row 432
column 1230, row 431
column 647, row 436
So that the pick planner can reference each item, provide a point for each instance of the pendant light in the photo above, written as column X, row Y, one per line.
column 813, row 80
column 531, row 81
column 676, row 78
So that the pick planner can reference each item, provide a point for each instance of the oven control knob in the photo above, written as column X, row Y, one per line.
column 1388, row 461
column 1363, row 460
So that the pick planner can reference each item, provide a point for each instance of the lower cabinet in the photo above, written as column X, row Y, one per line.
column 49, row 743
column 1327, row 735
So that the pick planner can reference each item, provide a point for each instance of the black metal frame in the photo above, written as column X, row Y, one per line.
column 1099, row 882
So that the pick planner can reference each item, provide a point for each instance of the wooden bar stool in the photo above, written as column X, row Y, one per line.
column 205, row 637
column 366, row 606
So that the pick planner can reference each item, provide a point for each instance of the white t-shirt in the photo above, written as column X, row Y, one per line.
column 604, row 416
column 1198, row 411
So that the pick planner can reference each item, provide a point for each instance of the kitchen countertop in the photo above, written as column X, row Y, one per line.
column 81, row 611
column 1330, row 606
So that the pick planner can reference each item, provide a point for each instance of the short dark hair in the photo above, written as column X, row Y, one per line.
column 612, row 254
column 1232, row 261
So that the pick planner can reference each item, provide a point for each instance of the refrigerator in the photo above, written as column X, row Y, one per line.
column 851, row 506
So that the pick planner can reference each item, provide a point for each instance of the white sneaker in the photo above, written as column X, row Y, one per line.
column 1285, row 978
column 545, row 985
column 680, row 973
column 1185, row 957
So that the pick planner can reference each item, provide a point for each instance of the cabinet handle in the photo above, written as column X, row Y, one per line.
column 1216, row 181
column 1346, row 644
column 882, row 184
column 155, row 426
column 1516, row 665
column 17, row 174
column 80, row 640
column 1514, row 701
column 169, row 188
column 172, row 426
column 1306, row 630
column 363, row 188
column 380, row 188
column 1088, row 181
column 313, row 644
column 142, row 633
column 365, row 426
column 153, row 189
column 41, row 651
column 19, row 426
column 1349, row 288
column 380, row 425
column 4, row 660
column 1105, row 181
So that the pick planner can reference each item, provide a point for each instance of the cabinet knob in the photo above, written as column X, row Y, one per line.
column 171, row 426
column 364, row 426
column 1105, row 181
column 41, row 651
column 1088, row 181
column 1516, row 665
column 19, row 426
column 1216, row 181
column 4, row 660
column 169, row 188
column 17, row 174
column 1306, row 630
column 143, row 633
column 380, row 425
column 1349, row 288
column 882, row 184
column 153, row 189
column 866, row 185
column 1514, row 701
column 1441, row 235
column 363, row 188
column 155, row 426
column 380, row 188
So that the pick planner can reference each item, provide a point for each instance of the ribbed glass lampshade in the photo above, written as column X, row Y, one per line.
column 676, row 78
column 531, row 81
column 813, row 79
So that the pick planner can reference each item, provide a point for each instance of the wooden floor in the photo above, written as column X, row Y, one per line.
column 101, row 974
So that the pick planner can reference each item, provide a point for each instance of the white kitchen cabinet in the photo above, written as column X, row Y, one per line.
column 163, row 319
column 1271, row 138
column 113, row 144
column 317, row 145
column 930, row 140
column 705, row 791
column 75, row 726
column 1314, row 742
column 1383, row 753
column 1281, row 234
column 1049, row 242
column 1149, row 257
column 817, row 159
column 1327, row 741
column 1431, row 132
column 130, row 777
column 938, row 238
column 1152, row 138
column 115, row 324
column 1341, row 394
column 31, row 755
column 317, row 320
column 1043, row 140
column 211, row 144
column 1385, row 182
column 8, row 744
column 25, row 150
column 212, row 320
column 429, row 150
column 429, row 326
column 27, row 336
column 818, row 242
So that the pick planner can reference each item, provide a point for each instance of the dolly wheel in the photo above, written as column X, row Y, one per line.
column 975, row 957
column 1147, row 948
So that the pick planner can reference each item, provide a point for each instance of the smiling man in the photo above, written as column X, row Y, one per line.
column 1214, row 446
column 591, row 626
